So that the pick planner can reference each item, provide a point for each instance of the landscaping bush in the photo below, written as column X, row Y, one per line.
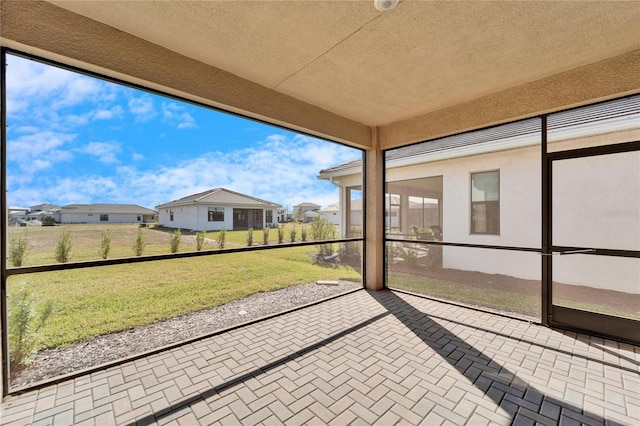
column 48, row 221
column 105, row 244
column 18, row 249
column 24, row 323
column 265, row 236
column 322, row 229
column 63, row 247
column 174, row 241
column 303, row 233
column 280, row 234
column 221, row 238
column 139, row 243
column 292, row 234
column 200, row 239
column 250, row 237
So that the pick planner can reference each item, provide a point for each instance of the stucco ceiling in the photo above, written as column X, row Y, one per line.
column 378, row 68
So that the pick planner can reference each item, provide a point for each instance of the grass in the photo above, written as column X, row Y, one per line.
column 501, row 300
column 92, row 301
column 86, row 239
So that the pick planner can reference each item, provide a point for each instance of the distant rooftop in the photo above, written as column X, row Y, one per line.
column 219, row 196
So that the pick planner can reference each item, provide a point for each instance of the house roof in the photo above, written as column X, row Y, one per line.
column 342, row 69
column 44, row 206
column 105, row 209
column 219, row 196
column 617, row 115
column 335, row 207
column 331, row 208
column 307, row 204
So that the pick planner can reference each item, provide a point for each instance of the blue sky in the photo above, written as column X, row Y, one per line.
column 78, row 139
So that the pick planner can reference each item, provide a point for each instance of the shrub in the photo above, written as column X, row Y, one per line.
column 24, row 323
column 280, row 234
column 410, row 256
column 303, row 233
column 174, row 241
column 139, row 243
column 292, row 234
column 322, row 229
column 250, row 237
column 265, row 236
column 200, row 239
column 105, row 244
column 63, row 248
column 221, row 237
column 48, row 221
column 18, row 249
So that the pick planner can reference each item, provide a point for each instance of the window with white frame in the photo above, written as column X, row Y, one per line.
column 216, row 214
column 485, row 202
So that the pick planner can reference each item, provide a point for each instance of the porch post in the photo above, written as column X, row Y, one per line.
column 374, row 220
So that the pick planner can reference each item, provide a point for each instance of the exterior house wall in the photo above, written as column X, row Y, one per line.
column 580, row 213
column 95, row 218
column 196, row 218
column 331, row 216
column 520, row 210
column 184, row 217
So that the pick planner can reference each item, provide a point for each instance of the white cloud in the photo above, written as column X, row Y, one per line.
column 55, row 99
column 281, row 169
column 39, row 150
column 103, row 151
column 142, row 107
column 175, row 114
column 49, row 107
column 108, row 114
column 187, row 121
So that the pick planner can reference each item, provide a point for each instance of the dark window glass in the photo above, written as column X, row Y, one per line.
column 485, row 203
column 216, row 214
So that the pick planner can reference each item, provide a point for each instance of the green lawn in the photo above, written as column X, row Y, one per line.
column 92, row 301
column 85, row 240
column 498, row 299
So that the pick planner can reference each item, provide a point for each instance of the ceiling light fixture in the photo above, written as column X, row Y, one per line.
column 384, row 5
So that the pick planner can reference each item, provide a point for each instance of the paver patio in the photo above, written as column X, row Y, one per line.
column 364, row 358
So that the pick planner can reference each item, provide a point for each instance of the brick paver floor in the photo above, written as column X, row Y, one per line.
column 365, row 358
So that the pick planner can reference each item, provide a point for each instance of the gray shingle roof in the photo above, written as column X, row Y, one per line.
column 507, row 136
column 219, row 196
column 106, row 209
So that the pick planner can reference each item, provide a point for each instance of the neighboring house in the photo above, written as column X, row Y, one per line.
column 44, row 207
column 106, row 213
column 309, row 216
column 216, row 209
column 299, row 211
column 333, row 214
column 17, row 214
column 40, row 211
column 485, row 188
